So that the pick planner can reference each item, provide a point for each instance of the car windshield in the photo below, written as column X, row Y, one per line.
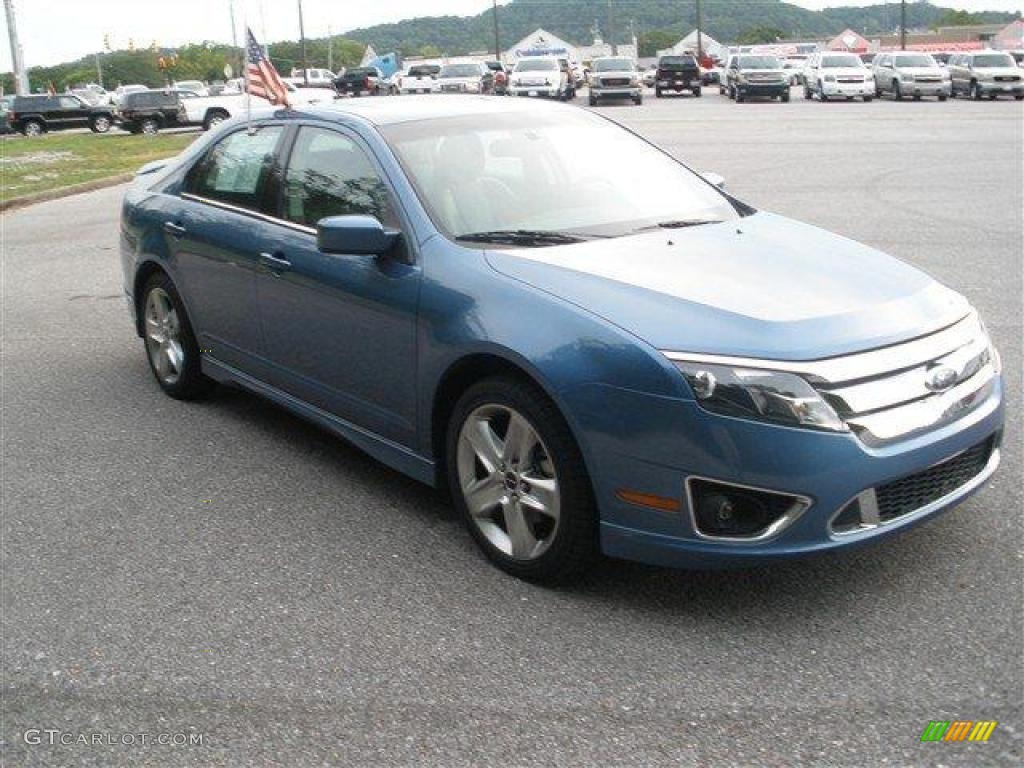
column 425, row 71
column 759, row 62
column 835, row 62
column 534, row 172
column 460, row 70
column 536, row 65
column 994, row 60
column 917, row 60
column 612, row 65
column 677, row 62
column 362, row 72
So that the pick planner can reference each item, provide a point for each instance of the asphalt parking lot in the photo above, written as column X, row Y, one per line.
column 225, row 569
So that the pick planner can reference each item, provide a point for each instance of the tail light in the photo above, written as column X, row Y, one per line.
column 366, row 83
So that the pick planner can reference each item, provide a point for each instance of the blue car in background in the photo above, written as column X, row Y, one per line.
column 592, row 347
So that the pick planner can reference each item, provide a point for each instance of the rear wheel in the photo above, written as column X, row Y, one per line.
column 518, row 477
column 696, row 92
column 100, row 124
column 170, row 342
column 149, row 126
column 215, row 118
column 657, row 93
column 975, row 91
column 784, row 97
column 32, row 128
column 897, row 93
column 942, row 97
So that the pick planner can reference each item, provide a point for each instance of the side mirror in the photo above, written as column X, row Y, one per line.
column 714, row 179
column 354, row 235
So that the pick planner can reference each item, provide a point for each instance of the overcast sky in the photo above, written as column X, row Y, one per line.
column 53, row 31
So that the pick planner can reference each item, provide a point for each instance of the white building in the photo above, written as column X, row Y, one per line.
column 544, row 43
column 689, row 45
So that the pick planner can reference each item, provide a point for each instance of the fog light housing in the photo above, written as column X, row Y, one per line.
column 740, row 513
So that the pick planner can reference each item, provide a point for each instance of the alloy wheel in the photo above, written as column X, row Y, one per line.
column 101, row 124
column 508, row 482
column 163, row 337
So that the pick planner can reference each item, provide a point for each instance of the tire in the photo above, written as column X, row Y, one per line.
column 149, row 126
column 1018, row 96
column 975, row 91
column 168, row 336
column 214, row 118
column 33, row 128
column 638, row 101
column 897, row 92
column 917, row 97
column 739, row 97
column 100, row 124
column 942, row 97
column 821, row 94
column 807, row 92
column 551, row 548
column 657, row 93
column 784, row 97
column 868, row 99
column 592, row 100
column 721, row 90
column 696, row 92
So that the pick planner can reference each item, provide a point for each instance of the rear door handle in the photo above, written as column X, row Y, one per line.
column 174, row 230
column 274, row 262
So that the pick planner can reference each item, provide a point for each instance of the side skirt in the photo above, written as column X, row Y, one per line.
column 385, row 451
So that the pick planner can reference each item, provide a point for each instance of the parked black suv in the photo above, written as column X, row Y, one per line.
column 149, row 111
column 677, row 73
column 34, row 115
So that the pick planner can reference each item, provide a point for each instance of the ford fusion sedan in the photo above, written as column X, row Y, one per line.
column 647, row 368
column 837, row 75
column 615, row 77
column 986, row 73
column 910, row 74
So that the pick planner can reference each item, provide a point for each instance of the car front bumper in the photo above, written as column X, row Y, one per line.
column 926, row 88
column 670, row 440
column 680, row 84
column 542, row 91
column 848, row 89
column 762, row 89
column 616, row 92
column 989, row 86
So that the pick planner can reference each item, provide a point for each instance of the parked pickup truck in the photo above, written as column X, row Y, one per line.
column 358, row 81
column 419, row 79
column 209, row 111
column 678, row 74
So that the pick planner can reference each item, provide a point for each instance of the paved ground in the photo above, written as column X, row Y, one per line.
column 225, row 569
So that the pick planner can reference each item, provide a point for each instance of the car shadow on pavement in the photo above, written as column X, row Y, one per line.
column 817, row 584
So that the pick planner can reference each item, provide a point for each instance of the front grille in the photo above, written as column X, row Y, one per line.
column 916, row 491
column 927, row 79
column 615, row 81
column 850, row 79
column 1008, row 78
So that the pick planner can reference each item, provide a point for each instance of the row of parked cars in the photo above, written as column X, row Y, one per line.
column 903, row 74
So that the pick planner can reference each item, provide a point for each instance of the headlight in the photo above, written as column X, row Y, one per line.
column 906, row 77
column 830, row 78
column 749, row 393
column 946, row 75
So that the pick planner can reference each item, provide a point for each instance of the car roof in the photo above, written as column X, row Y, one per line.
column 405, row 109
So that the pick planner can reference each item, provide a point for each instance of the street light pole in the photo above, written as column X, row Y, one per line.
column 700, row 34
column 99, row 71
column 17, row 60
column 903, row 25
column 611, row 29
column 497, row 37
column 302, row 36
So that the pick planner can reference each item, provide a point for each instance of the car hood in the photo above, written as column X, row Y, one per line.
column 935, row 71
column 994, row 71
column 845, row 71
column 762, row 286
column 459, row 80
column 779, row 72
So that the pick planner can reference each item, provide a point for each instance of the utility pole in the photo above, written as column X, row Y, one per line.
column 99, row 71
column 611, row 29
column 497, row 37
column 700, row 34
column 17, row 60
column 330, row 49
column 903, row 25
column 302, row 36
column 234, row 39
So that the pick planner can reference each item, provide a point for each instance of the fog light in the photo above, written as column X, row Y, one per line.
column 728, row 511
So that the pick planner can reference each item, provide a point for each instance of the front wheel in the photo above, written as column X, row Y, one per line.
column 868, row 99
column 32, row 128
column 657, row 93
column 807, row 92
column 784, row 97
column 149, row 126
column 975, row 91
column 518, row 478
column 170, row 342
column 100, row 124
column 592, row 100
column 897, row 92
column 696, row 92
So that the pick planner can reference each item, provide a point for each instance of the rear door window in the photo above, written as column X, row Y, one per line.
column 238, row 170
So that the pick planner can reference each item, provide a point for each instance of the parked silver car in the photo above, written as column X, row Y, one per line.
column 906, row 73
column 986, row 73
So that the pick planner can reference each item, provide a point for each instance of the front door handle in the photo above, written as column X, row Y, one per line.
column 174, row 230
column 275, row 262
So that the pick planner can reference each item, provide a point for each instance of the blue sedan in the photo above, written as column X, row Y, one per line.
column 593, row 348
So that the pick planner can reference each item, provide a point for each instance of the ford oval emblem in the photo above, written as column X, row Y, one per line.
column 940, row 379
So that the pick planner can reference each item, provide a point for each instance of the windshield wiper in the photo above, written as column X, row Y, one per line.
column 526, row 237
column 678, row 224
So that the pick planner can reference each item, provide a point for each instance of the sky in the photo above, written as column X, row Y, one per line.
column 54, row 31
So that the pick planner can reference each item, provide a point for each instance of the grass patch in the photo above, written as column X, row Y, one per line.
column 52, row 161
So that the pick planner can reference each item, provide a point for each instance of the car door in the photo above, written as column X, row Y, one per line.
column 340, row 330
column 217, row 232
column 884, row 73
column 811, row 72
column 74, row 112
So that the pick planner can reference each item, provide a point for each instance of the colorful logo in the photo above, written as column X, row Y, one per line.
column 958, row 730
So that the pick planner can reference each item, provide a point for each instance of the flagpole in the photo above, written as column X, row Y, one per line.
column 248, row 92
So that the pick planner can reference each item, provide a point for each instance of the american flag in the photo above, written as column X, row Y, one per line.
column 261, row 79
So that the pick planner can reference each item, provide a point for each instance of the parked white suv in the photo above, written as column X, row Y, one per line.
column 986, row 73
column 906, row 73
column 837, row 75
column 539, row 76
